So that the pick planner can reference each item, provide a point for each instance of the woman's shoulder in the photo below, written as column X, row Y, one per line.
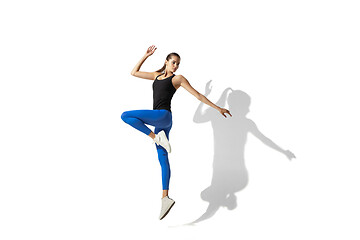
column 178, row 80
column 179, row 77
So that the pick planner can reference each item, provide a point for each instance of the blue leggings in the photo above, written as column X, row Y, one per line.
column 161, row 119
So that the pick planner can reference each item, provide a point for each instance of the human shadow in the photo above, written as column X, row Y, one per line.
column 230, row 135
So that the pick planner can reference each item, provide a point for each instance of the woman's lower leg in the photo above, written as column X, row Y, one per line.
column 152, row 135
column 165, row 193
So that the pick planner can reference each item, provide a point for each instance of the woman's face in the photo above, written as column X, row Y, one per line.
column 173, row 64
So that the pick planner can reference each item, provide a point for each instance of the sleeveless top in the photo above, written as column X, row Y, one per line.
column 163, row 91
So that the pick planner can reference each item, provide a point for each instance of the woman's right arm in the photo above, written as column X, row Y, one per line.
column 147, row 75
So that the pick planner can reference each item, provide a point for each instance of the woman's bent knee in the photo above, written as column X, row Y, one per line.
column 124, row 116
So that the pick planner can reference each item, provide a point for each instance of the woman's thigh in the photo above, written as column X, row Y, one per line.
column 157, row 118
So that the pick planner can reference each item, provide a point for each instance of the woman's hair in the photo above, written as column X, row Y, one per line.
column 168, row 58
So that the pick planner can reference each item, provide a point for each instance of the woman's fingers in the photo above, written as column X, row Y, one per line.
column 151, row 49
column 223, row 111
column 227, row 111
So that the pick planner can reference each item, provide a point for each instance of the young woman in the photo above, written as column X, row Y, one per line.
column 164, row 86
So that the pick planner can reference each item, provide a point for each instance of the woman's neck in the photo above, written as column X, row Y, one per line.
column 167, row 74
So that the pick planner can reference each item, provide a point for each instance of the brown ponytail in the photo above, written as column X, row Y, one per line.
column 168, row 58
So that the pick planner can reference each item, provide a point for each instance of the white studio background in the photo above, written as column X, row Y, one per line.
column 70, row 168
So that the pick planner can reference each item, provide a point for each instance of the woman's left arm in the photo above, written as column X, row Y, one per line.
column 185, row 84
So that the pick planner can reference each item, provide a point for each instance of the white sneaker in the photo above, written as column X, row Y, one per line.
column 166, row 205
column 161, row 139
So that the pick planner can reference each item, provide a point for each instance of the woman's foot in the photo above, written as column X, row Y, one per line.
column 161, row 139
column 166, row 204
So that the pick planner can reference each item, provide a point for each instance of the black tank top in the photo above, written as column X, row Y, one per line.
column 163, row 91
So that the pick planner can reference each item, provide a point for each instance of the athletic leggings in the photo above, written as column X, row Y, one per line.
column 161, row 119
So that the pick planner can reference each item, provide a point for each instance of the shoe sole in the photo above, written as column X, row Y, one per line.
column 167, row 211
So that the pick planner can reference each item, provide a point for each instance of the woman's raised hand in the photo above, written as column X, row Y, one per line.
column 150, row 50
